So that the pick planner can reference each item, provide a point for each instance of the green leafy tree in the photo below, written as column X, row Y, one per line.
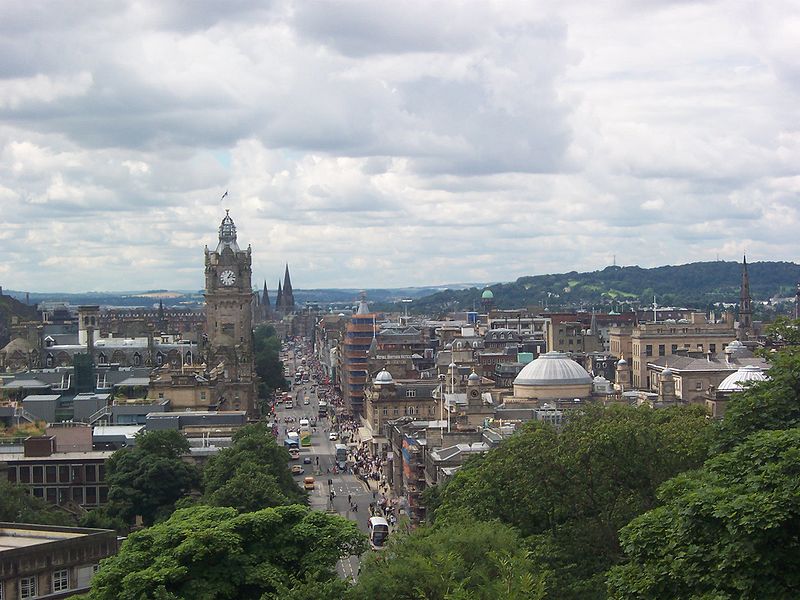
column 267, row 349
column 570, row 492
column 205, row 553
column 729, row 530
column 149, row 478
column 471, row 560
column 252, row 474
column 18, row 506
column 768, row 405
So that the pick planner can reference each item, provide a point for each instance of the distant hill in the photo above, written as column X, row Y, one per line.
column 692, row 285
column 9, row 308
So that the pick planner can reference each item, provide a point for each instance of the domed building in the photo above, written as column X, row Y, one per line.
column 717, row 399
column 553, row 376
column 736, row 382
column 487, row 300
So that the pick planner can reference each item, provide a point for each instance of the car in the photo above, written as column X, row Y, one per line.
column 297, row 470
column 333, row 436
column 307, row 460
column 308, row 483
column 306, row 402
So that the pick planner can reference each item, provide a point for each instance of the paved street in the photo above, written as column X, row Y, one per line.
column 343, row 485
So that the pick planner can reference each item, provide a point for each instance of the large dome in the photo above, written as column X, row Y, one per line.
column 735, row 382
column 553, row 368
column 487, row 295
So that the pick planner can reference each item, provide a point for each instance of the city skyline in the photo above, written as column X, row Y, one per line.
column 374, row 145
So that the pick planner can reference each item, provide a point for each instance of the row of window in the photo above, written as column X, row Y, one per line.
column 57, row 473
column 29, row 586
column 662, row 349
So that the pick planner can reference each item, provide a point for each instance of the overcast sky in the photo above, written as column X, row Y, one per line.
column 381, row 143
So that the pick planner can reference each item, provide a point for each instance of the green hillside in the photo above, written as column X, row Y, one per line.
column 692, row 285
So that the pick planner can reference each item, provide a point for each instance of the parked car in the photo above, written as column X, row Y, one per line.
column 297, row 470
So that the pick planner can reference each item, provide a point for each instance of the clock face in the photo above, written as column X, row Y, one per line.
column 227, row 278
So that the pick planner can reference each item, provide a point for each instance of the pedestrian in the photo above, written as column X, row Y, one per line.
column 349, row 498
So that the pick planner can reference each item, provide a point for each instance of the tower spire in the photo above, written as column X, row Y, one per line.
column 288, row 295
column 279, row 299
column 745, row 305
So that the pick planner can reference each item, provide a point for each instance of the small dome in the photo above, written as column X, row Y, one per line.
column 622, row 362
column 452, row 365
column 487, row 295
column 667, row 372
column 384, row 378
column 735, row 382
column 735, row 347
column 553, row 368
column 474, row 377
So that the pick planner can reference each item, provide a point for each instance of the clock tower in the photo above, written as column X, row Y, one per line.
column 229, row 294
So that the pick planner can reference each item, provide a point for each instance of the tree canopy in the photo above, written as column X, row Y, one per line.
column 570, row 492
column 206, row 553
column 149, row 478
column 17, row 505
column 729, row 530
column 268, row 366
column 252, row 474
column 470, row 560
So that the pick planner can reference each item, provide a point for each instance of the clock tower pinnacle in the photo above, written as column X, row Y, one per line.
column 229, row 320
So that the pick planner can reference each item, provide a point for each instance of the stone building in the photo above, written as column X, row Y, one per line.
column 45, row 561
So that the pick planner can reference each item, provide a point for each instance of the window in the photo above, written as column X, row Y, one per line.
column 698, row 386
column 674, row 348
column 712, row 348
column 60, row 580
column 662, row 350
column 27, row 587
column 202, row 395
column 411, row 393
column 648, row 350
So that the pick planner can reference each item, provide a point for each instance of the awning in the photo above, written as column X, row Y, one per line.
column 365, row 434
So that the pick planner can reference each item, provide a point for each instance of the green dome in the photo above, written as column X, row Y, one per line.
column 487, row 295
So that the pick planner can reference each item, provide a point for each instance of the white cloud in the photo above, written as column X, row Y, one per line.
column 380, row 144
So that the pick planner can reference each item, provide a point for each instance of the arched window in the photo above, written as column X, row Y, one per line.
column 49, row 361
column 159, row 359
column 188, row 358
column 101, row 359
column 137, row 360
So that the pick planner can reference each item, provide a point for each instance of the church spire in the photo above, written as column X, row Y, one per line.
column 288, row 295
column 745, row 305
column 279, row 299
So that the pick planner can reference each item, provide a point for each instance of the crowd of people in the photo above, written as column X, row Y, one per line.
column 368, row 468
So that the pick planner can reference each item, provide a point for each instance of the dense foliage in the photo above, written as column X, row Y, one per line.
column 252, row 474
column 205, row 553
column 470, row 560
column 268, row 366
column 16, row 505
column 570, row 492
column 729, row 530
column 149, row 478
column 696, row 284
column 732, row 528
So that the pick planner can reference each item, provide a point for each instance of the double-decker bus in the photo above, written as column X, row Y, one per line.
column 305, row 433
column 323, row 409
column 341, row 456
